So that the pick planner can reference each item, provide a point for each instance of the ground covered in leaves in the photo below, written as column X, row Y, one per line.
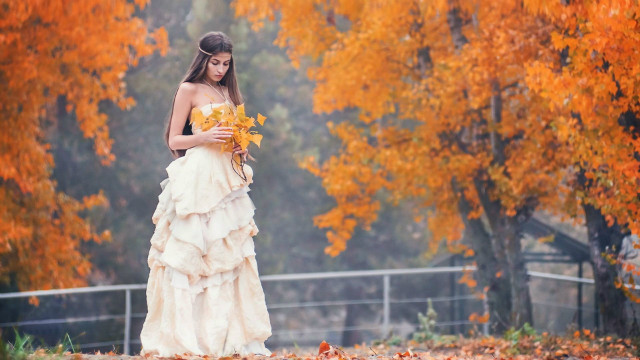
column 581, row 345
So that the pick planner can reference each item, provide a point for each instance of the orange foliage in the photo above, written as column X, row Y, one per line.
column 425, row 107
column 426, row 97
column 593, row 98
column 480, row 319
column 467, row 279
column 57, row 57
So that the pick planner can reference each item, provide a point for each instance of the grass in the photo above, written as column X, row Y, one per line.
column 25, row 347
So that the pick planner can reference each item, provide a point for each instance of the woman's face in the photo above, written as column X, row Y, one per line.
column 218, row 65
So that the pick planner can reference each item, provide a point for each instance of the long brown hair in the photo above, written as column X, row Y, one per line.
column 213, row 43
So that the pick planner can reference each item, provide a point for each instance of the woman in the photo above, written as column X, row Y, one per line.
column 204, row 295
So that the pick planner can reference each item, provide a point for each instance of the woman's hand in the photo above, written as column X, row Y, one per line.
column 238, row 150
column 216, row 135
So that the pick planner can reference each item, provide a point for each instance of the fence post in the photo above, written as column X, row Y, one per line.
column 452, row 293
column 127, row 321
column 579, row 297
column 485, row 306
column 385, row 307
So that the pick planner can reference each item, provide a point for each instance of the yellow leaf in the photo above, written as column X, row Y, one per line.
column 256, row 138
column 227, row 119
column 244, row 142
column 240, row 111
column 197, row 117
column 261, row 119
column 216, row 114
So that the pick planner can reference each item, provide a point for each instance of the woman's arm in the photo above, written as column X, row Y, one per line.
column 181, row 109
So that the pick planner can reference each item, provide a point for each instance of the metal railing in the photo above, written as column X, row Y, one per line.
column 384, row 274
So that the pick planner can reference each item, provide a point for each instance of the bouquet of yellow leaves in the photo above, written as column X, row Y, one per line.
column 237, row 120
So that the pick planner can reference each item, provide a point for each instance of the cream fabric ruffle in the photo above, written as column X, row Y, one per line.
column 204, row 295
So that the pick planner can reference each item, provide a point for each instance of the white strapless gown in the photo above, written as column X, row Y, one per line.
column 204, row 296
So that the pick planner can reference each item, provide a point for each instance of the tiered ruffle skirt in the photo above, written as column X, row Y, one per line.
column 204, row 295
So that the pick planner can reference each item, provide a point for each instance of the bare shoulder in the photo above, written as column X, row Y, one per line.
column 187, row 94
column 188, row 88
column 185, row 97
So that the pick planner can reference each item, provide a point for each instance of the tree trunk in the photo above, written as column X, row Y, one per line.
column 519, row 280
column 611, row 301
column 490, row 272
column 351, row 337
column 509, row 228
column 506, row 234
column 505, row 230
column 354, row 312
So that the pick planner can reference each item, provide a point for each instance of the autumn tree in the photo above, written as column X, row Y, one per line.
column 445, row 117
column 58, row 58
column 592, row 89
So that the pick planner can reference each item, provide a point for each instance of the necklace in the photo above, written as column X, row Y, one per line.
column 221, row 93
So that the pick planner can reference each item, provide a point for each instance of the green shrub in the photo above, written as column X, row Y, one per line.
column 427, row 324
column 514, row 335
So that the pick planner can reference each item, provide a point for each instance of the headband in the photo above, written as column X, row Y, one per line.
column 199, row 48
